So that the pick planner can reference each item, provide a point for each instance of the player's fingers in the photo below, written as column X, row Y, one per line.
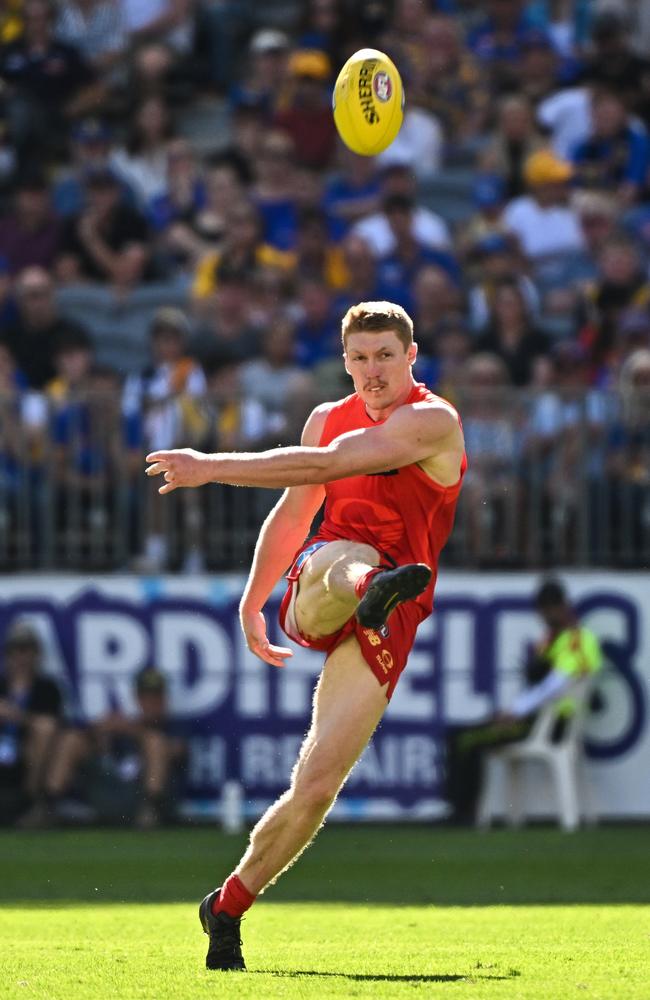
column 159, row 456
column 167, row 488
column 156, row 469
column 280, row 651
column 169, row 476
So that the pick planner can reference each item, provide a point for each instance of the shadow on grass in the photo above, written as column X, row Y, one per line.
column 378, row 978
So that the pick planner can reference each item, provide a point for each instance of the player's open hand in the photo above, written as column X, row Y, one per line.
column 254, row 628
column 179, row 467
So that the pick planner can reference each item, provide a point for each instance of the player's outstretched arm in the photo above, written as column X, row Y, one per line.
column 413, row 433
column 282, row 534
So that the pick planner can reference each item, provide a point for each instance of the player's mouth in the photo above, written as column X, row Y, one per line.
column 375, row 388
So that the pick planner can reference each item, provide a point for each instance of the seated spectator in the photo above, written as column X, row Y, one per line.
column 540, row 69
column 489, row 196
column 621, row 284
column 325, row 26
column 427, row 227
column 510, row 334
column 497, row 42
column 164, row 395
column 306, row 112
column 318, row 333
column 612, row 63
column 436, row 300
column 30, row 233
column 226, row 331
column 39, row 326
column 628, row 461
column 491, row 489
column 565, row 117
column 274, row 189
column 73, row 360
column 161, row 33
column 495, row 259
column 90, row 150
column 278, row 383
column 242, row 250
column 568, row 654
column 616, row 154
column 31, row 706
column 176, row 212
column 353, row 191
column 131, row 762
column 598, row 216
column 514, row 140
column 419, row 143
column 316, row 256
column 97, row 30
column 542, row 220
column 452, row 350
column 451, row 84
column 142, row 163
column 49, row 82
column 23, row 421
column 266, row 72
column 107, row 240
column 362, row 275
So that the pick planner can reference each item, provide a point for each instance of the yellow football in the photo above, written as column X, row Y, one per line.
column 368, row 102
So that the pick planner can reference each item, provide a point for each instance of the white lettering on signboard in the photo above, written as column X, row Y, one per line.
column 175, row 632
column 111, row 648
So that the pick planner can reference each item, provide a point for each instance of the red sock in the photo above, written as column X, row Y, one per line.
column 364, row 581
column 234, row 898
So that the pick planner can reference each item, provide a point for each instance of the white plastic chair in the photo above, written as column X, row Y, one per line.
column 564, row 761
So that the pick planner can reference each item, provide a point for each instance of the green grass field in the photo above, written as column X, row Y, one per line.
column 368, row 912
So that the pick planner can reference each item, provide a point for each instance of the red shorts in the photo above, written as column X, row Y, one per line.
column 385, row 652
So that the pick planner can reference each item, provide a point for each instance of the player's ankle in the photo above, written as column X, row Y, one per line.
column 234, row 898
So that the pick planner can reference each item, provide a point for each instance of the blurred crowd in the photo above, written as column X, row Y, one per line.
column 181, row 231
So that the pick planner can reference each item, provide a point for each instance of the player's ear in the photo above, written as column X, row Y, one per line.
column 412, row 353
column 345, row 362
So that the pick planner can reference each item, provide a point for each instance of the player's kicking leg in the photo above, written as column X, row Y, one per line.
column 348, row 704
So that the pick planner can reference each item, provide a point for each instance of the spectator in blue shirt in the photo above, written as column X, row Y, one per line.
column 616, row 155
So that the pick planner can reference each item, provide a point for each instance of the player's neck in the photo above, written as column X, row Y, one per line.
column 385, row 412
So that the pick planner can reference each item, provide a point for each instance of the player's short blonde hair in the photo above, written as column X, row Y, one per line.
column 377, row 317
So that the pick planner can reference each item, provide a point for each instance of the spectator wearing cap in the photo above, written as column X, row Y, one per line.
column 265, row 76
column 242, row 250
column 306, row 110
column 107, row 240
column 142, row 163
column 616, row 155
column 40, row 325
column 514, row 140
column 542, row 220
column 90, row 149
column 510, row 333
column 31, row 706
column 132, row 759
column 30, row 233
column 428, row 229
column 489, row 198
column 49, row 81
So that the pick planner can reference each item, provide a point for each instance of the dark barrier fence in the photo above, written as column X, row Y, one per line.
column 554, row 479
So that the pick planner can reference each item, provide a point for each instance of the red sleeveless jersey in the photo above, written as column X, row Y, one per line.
column 402, row 513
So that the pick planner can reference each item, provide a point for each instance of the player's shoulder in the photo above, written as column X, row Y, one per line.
column 318, row 417
column 424, row 399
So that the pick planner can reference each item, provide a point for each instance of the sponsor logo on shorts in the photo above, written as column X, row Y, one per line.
column 373, row 638
column 382, row 86
column 385, row 660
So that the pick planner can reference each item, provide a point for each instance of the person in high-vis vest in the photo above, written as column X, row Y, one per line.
column 568, row 653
